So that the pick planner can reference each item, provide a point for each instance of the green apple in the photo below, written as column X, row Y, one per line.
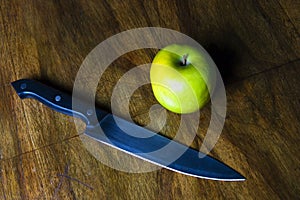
column 182, row 77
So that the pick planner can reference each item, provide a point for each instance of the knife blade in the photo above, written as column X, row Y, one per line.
column 143, row 144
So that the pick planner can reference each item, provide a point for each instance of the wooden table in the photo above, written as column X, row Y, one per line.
column 255, row 45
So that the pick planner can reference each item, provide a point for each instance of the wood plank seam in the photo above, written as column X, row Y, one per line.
column 40, row 148
column 264, row 71
column 288, row 16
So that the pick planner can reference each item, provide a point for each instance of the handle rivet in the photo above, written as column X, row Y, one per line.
column 23, row 86
column 89, row 112
column 57, row 98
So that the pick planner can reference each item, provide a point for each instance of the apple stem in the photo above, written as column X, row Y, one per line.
column 184, row 59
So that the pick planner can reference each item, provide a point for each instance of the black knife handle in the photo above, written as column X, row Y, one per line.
column 57, row 100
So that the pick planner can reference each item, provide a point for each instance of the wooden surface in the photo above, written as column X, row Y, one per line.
column 254, row 43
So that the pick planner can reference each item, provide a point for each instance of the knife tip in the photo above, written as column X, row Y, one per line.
column 239, row 177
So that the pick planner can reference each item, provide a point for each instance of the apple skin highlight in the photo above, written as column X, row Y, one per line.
column 181, row 78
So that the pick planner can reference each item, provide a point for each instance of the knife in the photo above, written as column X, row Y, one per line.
column 106, row 130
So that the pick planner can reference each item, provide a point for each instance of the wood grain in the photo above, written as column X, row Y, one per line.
column 255, row 45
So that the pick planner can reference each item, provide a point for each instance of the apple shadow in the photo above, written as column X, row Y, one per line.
column 226, row 60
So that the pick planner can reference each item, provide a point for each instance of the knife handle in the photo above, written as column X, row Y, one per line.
column 57, row 100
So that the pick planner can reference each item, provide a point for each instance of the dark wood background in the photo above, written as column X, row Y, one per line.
column 255, row 44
